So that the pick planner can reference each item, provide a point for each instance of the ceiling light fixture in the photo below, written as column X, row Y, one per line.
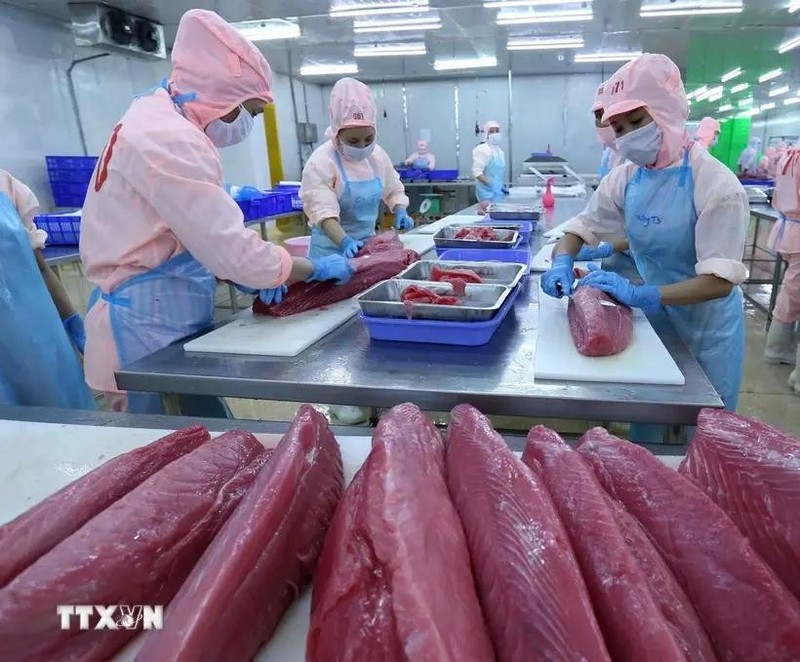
column 267, row 30
column 465, row 63
column 606, row 57
column 725, row 108
column 767, row 106
column 543, row 43
column 794, row 5
column 714, row 97
column 745, row 103
column 791, row 101
column 328, row 69
column 386, row 50
column 710, row 92
column 770, row 75
column 750, row 113
column 690, row 9
column 522, row 18
column 777, row 91
column 741, row 87
column 377, row 8
column 787, row 46
column 502, row 4
column 731, row 75
column 697, row 92
column 407, row 24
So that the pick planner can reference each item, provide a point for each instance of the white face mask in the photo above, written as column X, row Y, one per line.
column 225, row 134
column 495, row 138
column 641, row 146
column 356, row 153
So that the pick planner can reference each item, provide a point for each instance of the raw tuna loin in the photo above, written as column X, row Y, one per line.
column 752, row 471
column 38, row 530
column 393, row 582
column 236, row 594
column 748, row 614
column 138, row 551
column 416, row 294
column 528, row 581
column 599, row 325
column 632, row 622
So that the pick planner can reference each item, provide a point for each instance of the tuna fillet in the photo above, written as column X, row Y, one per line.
column 38, row 530
column 632, row 622
column 235, row 597
column 528, row 580
column 393, row 582
column 668, row 594
column 748, row 614
column 138, row 551
column 752, row 472
column 599, row 325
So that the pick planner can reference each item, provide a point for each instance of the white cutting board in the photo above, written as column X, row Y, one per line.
column 261, row 335
column 645, row 361
column 421, row 243
column 557, row 232
column 455, row 219
column 542, row 261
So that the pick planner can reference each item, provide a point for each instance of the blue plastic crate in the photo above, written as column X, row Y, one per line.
column 69, row 194
column 283, row 201
column 249, row 208
column 67, row 175
column 467, row 334
column 297, row 202
column 71, row 162
column 268, row 205
column 752, row 181
column 518, row 255
column 410, row 173
column 441, row 175
column 61, row 229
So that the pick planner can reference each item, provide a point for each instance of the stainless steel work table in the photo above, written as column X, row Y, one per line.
column 347, row 368
column 765, row 267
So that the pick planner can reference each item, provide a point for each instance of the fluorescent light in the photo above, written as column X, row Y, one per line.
column 731, row 75
column 741, row 87
column 267, row 30
column 745, row 103
column 725, row 108
column 787, row 46
column 328, row 69
column 385, row 50
column 750, row 113
column 376, row 8
column 791, row 101
column 711, row 92
column 770, row 75
column 502, row 4
column 407, row 24
column 794, row 5
column 465, row 63
column 777, row 91
column 544, row 43
column 690, row 9
column 606, row 57
column 696, row 93
column 767, row 106
column 714, row 97
column 521, row 18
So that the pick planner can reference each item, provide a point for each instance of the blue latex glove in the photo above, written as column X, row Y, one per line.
column 331, row 267
column 589, row 253
column 646, row 297
column 76, row 331
column 350, row 246
column 402, row 221
column 557, row 281
column 273, row 294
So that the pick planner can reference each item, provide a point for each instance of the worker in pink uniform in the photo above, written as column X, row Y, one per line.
column 768, row 163
column 346, row 178
column 785, row 239
column 422, row 158
column 158, row 228
column 707, row 133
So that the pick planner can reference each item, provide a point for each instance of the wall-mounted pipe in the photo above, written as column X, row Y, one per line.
column 74, row 97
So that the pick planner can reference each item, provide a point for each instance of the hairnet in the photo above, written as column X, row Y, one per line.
column 351, row 105
column 706, row 129
column 652, row 81
column 491, row 124
column 598, row 97
column 754, row 142
column 422, row 146
column 219, row 65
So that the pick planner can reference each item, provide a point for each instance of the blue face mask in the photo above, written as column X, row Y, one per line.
column 356, row 153
column 641, row 146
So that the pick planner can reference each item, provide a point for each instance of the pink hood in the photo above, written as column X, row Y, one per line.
column 219, row 65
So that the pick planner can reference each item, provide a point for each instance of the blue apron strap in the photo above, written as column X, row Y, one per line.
column 685, row 167
column 339, row 163
column 177, row 99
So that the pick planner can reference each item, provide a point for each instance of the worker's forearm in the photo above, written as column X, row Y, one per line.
column 333, row 229
column 55, row 287
column 302, row 268
column 483, row 179
column 695, row 290
column 621, row 246
column 569, row 244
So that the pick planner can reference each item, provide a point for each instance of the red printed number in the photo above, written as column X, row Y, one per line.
column 102, row 171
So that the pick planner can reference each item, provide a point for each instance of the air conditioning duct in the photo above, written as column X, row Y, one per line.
column 95, row 24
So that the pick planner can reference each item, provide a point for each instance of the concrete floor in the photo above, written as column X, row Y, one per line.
column 764, row 393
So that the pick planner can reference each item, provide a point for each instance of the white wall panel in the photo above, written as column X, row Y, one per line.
column 431, row 110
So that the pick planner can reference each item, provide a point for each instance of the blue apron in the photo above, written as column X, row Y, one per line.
column 38, row 365
column 359, row 206
column 781, row 231
column 605, row 162
column 660, row 220
column 156, row 308
column 421, row 162
column 495, row 172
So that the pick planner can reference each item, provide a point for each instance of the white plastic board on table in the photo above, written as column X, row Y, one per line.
column 645, row 361
column 421, row 243
column 542, row 261
column 260, row 335
column 556, row 232
column 455, row 219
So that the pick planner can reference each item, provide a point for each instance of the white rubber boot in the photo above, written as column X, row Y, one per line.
column 794, row 377
column 780, row 346
column 349, row 415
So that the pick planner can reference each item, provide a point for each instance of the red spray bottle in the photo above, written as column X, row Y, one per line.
column 548, row 199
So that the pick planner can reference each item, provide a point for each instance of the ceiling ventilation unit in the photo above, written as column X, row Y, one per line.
column 95, row 24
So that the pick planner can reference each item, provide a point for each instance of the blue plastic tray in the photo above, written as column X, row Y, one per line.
column 61, row 229
column 71, row 162
column 467, row 334
column 751, row 181
column 440, row 175
column 519, row 255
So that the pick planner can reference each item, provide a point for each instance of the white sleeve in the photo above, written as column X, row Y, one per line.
column 723, row 213
column 604, row 216
column 26, row 204
column 481, row 156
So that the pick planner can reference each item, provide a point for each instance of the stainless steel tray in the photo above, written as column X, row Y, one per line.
column 512, row 212
column 445, row 238
column 479, row 303
column 495, row 273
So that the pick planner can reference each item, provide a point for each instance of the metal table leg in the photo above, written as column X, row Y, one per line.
column 172, row 404
column 263, row 226
column 777, row 279
column 234, row 301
